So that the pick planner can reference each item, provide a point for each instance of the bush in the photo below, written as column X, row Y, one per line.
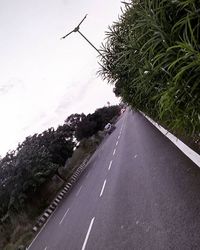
column 152, row 55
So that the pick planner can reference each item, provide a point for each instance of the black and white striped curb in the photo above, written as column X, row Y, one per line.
column 43, row 218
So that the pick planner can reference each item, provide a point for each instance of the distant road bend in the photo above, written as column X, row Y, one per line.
column 138, row 192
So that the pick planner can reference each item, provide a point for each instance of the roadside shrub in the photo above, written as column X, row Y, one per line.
column 152, row 56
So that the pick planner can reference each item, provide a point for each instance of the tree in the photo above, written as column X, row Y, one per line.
column 39, row 157
column 59, row 143
column 92, row 123
column 85, row 129
column 74, row 119
column 36, row 160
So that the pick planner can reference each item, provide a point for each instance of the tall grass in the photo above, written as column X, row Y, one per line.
column 152, row 56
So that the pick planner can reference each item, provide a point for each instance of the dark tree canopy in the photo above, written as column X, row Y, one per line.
column 74, row 119
column 38, row 157
column 92, row 123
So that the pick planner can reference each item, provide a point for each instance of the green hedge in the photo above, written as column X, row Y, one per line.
column 152, row 55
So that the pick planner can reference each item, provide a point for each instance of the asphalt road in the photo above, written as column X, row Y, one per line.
column 138, row 192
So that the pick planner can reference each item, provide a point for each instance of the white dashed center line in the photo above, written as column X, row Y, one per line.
column 79, row 191
column 88, row 234
column 102, row 188
column 45, row 248
column 114, row 151
column 64, row 216
column 110, row 165
column 118, row 136
column 117, row 143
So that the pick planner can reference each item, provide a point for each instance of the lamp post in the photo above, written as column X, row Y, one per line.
column 77, row 29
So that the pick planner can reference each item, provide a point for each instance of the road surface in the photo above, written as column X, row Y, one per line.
column 139, row 191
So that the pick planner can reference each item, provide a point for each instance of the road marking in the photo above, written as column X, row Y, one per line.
column 41, row 229
column 117, row 143
column 45, row 248
column 79, row 191
column 118, row 137
column 102, row 188
column 64, row 216
column 110, row 165
column 135, row 156
column 88, row 233
column 114, row 151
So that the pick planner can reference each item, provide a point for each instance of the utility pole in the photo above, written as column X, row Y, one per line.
column 77, row 29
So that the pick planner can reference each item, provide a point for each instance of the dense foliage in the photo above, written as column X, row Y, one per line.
column 35, row 160
column 38, row 157
column 92, row 123
column 152, row 55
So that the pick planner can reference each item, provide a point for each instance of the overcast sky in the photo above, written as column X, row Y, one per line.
column 44, row 79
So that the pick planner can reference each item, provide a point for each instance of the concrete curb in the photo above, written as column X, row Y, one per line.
column 195, row 157
column 51, row 208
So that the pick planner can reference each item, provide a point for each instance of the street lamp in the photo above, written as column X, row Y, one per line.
column 77, row 29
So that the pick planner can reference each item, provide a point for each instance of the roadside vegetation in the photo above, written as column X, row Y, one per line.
column 31, row 175
column 152, row 56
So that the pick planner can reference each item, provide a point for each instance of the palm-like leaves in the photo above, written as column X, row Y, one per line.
column 153, row 52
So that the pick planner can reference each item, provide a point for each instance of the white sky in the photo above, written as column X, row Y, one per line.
column 44, row 79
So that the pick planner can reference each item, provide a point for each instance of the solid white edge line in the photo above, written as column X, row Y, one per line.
column 88, row 234
column 110, row 165
column 114, row 151
column 182, row 146
column 64, row 216
column 41, row 230
column 102, row 188
column 79, row 191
